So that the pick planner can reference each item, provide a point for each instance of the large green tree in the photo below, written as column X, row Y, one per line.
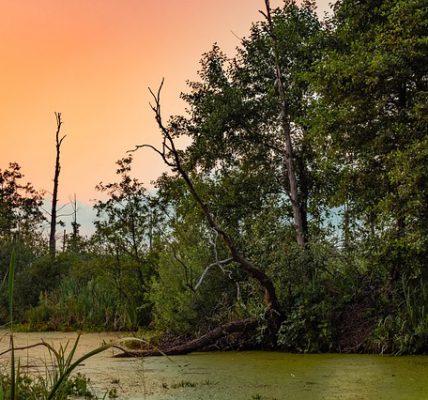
column 236, row 166
column 373, row 85
column 238, row 121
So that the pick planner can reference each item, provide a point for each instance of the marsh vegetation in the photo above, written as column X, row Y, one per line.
column 295, row 219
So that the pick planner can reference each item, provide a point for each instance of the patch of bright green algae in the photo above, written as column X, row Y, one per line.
column 269, row 375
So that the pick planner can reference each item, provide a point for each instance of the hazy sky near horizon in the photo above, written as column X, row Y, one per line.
column 93, row 61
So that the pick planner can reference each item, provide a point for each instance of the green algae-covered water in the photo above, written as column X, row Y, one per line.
column 236, row 375
column 268, row 375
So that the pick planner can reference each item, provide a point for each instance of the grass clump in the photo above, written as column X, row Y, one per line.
column 26, row 387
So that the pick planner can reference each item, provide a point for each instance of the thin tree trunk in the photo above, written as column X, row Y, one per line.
column 52, row 235
column 303, row 192
column 74, row 242
column 286, row 128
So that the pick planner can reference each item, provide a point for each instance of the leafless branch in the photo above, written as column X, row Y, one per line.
column 46, row 211
column 31, row 346
column 234, row 34
column 219, row 264
column 161, row 153
column 62, row 207
column 64, row 215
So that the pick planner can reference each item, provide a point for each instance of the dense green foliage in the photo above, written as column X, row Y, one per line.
column 356, row 95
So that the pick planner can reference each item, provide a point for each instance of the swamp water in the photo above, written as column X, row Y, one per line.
column 235, row 376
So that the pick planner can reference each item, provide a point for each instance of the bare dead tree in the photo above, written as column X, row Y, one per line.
column 53, row 214
column 172, row 158
column 301, row 234
column 74, row 224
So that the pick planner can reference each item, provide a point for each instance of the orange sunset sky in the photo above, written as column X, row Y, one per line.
column 92, row 60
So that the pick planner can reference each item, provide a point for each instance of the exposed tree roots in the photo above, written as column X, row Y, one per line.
column 354, row 328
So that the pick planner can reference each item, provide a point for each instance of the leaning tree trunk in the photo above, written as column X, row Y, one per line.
column 172, row 158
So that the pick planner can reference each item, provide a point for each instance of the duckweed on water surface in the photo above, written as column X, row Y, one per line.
column 269, row 376
column 243, row 375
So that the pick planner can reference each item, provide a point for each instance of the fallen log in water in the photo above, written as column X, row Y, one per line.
column 195, row 344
